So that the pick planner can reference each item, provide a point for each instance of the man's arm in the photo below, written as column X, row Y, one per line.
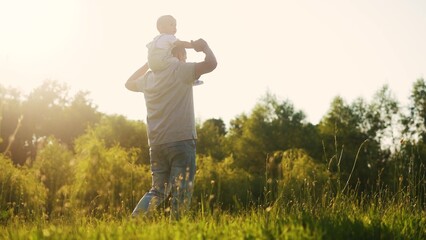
column 209, row 63
column 131, row 83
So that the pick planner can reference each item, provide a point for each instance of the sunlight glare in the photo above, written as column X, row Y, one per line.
column 42, row 28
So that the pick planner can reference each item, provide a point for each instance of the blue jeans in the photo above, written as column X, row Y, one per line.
column 173, row 172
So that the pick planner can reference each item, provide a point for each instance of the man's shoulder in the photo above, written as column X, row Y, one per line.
column 177, row 68
column 176, row 71
column 182, row 66
column 186, row 71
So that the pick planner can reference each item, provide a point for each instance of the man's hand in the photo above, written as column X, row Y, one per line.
column 209, row 63
column 199, row 45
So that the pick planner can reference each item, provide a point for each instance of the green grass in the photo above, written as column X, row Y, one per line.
column 339, row 221
column 304, row 211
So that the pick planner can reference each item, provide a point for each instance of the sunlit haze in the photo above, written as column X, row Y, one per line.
column 305, row 51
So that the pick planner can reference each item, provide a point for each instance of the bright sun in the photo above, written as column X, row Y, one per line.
column 39, row 28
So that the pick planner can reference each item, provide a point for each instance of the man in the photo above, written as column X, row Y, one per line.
column 171, row 128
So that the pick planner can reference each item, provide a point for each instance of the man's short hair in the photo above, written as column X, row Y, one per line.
column 178, row 50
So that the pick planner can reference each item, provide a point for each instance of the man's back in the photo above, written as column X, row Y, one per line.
column 170, row 104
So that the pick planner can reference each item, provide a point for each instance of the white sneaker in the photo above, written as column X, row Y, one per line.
column 197, row 82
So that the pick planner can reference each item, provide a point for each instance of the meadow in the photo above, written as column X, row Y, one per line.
column 342, row 218
column 75, row 173
column 222, row 208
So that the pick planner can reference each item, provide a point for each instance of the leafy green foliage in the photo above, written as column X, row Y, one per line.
column 10, row 116
column 271, row 126
column 350, row 176
column 46, row 111
column 107, row 180
column 293, row 174
column 220, row 184
column 415, row 122
column 382, row 117
column 211, row 137
column 128, row 134
column 55, row 167
column 21, row 194
column 341, row 130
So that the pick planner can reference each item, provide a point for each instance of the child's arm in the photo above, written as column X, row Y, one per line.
column 185, row 44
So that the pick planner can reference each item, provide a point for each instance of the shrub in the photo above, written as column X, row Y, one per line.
column 220, row 184
column 302, row 177
column 21, row 194
column 107, row 179
column 55, row 168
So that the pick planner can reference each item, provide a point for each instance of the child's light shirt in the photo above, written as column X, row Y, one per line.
column 164, row 41
column 160, row 52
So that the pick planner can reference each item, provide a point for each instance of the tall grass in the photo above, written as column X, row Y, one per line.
column 309, row 204
column 345, row 219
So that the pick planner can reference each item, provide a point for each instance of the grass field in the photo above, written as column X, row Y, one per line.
column 302, row 209
column 341, row 219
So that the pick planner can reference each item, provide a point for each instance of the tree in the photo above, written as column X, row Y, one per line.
column 128, row 134
column 271, row 126
column 344, row 148
column 408, row 167
column 415, row 122
column 211, row 137
column 79, row 114
column 11, row 141
column 382, row 118
column 46, row 111
column 248, row 142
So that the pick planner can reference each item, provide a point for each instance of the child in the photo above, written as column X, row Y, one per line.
column 160, row 48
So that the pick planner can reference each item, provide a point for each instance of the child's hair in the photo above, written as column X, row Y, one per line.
column 164, row 21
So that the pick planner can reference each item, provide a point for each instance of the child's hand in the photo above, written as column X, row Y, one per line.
column 199, row 45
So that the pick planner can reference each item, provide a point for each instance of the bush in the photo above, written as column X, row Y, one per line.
column 302, row 177
column 221, row 185
column 128, row 134
column 21, row 194
column 55, row 168
column 107, row 179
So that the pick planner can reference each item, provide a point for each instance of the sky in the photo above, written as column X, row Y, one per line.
column 306, row 52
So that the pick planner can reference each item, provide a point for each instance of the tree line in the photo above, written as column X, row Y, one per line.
column 78, row 156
